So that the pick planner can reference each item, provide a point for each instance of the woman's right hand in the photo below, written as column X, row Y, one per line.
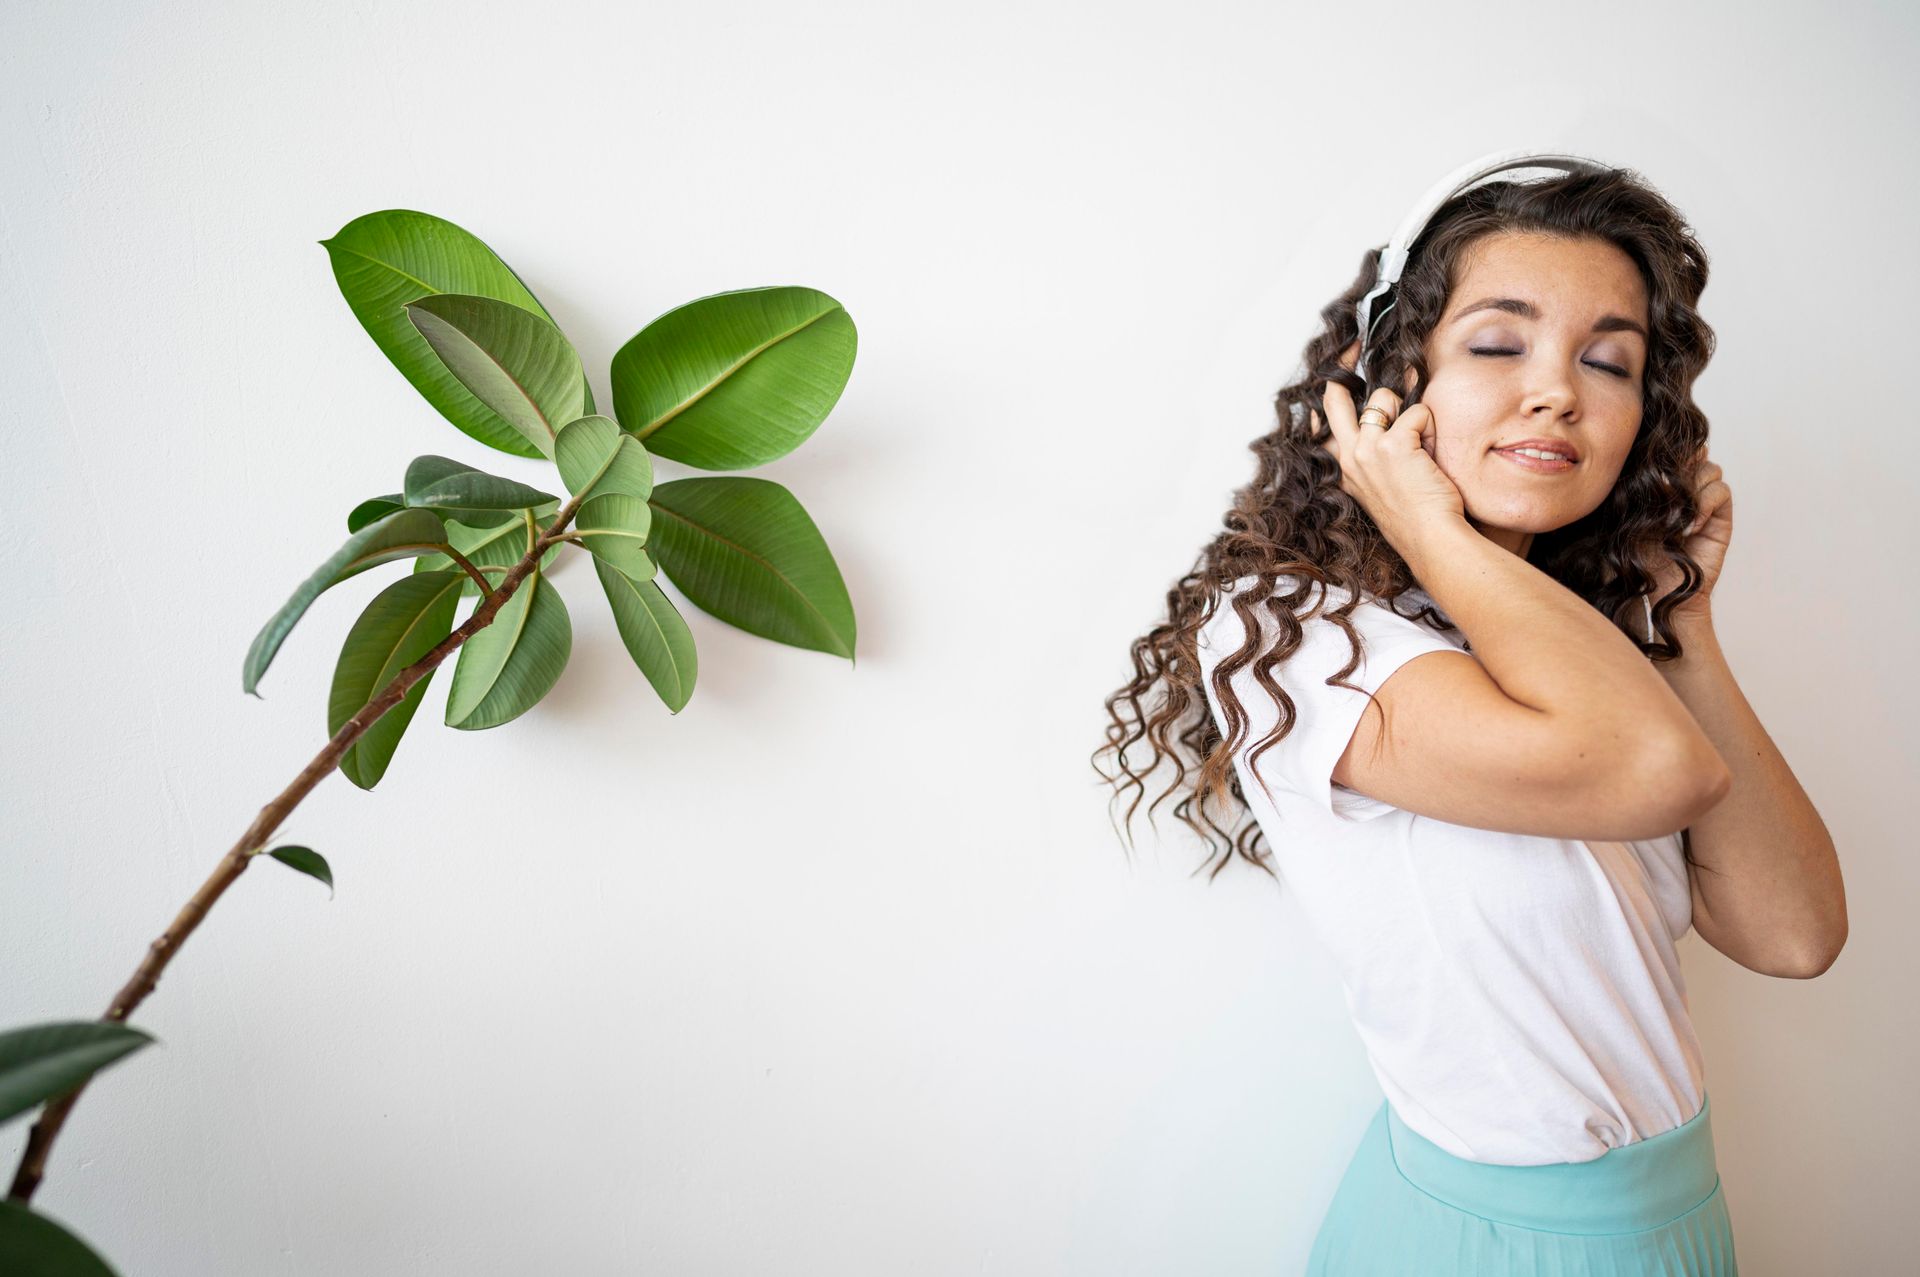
column 1391, row 472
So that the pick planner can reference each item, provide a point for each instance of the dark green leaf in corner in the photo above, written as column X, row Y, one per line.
column 442, row 482
column 655, row 633
column 374, row 508
column 307, row 861
column 385, row 260
column 43, row 1061
column 504, row 669
column 737, row 379
column 744, row 550
column 396, row 536
column 614, row 528
column 33, row 1244
column 597, row 458
column 403, row 623
column 512, row 360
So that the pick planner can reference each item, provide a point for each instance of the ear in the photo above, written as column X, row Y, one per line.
column 1407, row 384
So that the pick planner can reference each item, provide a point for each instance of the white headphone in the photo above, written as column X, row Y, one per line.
column 1393, row 258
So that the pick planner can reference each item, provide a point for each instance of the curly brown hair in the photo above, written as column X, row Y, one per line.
column 1294, row 519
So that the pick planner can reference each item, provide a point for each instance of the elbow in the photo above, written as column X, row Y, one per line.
column 1814, row 958
column 1714, row 781
column 1813, row 962
column 1691, row 779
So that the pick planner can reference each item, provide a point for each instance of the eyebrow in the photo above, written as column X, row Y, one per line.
column 1527, row 310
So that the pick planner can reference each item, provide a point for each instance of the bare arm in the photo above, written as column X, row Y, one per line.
column 1776, row 904
column 1548, row 649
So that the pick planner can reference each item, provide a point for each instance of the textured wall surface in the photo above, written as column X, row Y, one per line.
column 843, row 970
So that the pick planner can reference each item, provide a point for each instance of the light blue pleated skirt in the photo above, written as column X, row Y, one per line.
column 1652, row 1208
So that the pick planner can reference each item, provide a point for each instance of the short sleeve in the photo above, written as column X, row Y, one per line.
column 1301, row 764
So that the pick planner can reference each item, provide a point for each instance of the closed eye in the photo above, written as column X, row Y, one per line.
column 1616, row 371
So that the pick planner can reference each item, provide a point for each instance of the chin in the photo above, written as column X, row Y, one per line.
column 1535, row 523
column 1517, row 517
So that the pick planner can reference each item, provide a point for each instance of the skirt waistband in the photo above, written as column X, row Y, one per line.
column 1640, row 1185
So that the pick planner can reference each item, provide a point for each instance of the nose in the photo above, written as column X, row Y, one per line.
column 1554, row 392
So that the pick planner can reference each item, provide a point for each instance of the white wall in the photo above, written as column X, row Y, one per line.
column 842, row 970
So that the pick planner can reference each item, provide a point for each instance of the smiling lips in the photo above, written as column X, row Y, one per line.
column 1545, row 443
column 1539, row 465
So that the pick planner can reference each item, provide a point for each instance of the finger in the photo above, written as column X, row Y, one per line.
column 1714, row 499
column 1341, row 418
column 1341, row 414
column 1387, row 400
column 1314, row 422
column 1351, row 355
column 1418, row 423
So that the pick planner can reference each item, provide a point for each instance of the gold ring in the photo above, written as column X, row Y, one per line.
column 1376, row 416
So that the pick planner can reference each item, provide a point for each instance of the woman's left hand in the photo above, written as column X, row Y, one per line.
column 1706, row 540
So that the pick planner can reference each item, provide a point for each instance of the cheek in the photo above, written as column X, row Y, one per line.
column 1458, row 458
column 1610, row 457
column 1455, row 439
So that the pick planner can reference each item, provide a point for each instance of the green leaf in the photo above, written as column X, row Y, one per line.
column 385, row 260
column 307, row 860
column 485, row 518
column 744, row 550
column 44, row 1061
column 512, row 360
column 374, row 508
column 441, row 482
column 736, row 379
column 490, row 546
column 655, row 633
column 505, row 669
column 33, row 1244
column 398, row 535
column 403, row 623
column 614, row 528
column 595, row 455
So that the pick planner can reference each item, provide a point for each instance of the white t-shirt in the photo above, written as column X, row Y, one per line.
column 1519, row 997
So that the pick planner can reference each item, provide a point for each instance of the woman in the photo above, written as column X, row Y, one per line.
column 1509, row 556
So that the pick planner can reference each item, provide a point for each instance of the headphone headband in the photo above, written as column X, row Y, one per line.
column 1393, row 258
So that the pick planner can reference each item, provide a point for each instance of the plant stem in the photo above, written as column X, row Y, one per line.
column 467, row 563
column 33, row 1161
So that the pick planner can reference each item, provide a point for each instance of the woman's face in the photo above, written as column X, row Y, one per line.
column 1574, row 312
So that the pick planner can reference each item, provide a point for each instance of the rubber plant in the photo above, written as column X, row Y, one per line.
column 727, row 382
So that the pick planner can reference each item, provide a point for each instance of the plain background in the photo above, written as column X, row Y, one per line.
column 843, row 969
